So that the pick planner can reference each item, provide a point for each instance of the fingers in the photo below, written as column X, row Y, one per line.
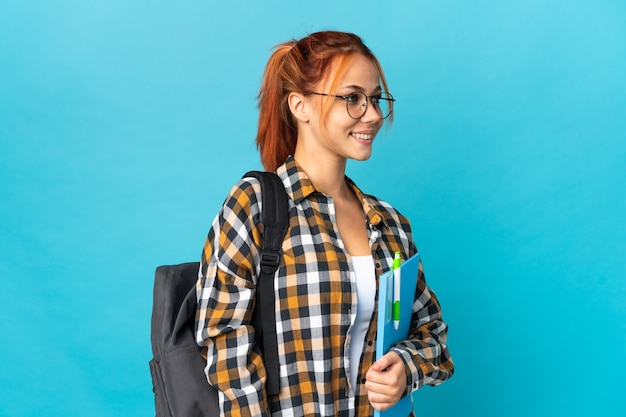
column 382, row 406
column 386, row 381
column 382, row 400
column 390, row 391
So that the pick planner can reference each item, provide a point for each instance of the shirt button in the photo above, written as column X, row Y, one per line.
column 376, row 219
column 369, row 343
column 363, row 381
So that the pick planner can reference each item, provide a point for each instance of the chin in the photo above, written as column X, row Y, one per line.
column 361, row 157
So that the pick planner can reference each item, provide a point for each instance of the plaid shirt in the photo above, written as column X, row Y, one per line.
column 315, row 305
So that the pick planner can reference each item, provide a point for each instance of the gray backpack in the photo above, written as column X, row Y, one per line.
column 177, row 368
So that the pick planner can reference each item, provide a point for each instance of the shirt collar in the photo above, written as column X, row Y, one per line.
column 299, row 187
column 374, row 217
column 296, row 182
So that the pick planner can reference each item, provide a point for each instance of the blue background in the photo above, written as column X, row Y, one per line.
column 124, row 124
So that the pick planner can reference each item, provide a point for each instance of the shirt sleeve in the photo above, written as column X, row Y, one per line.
column 226, row 293
column 425, row 352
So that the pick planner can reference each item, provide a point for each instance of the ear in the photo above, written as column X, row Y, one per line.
column 298, row 106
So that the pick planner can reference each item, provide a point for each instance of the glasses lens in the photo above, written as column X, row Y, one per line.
column 358, row 103
column 383, row 104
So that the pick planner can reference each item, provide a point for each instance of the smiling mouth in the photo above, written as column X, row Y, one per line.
column 363, row 136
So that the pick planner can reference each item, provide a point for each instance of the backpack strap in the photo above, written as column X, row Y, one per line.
column 275, row 219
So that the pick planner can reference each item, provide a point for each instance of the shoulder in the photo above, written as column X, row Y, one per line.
column 243, row 201
column 381, row 210
column 390, row 215
column 395, row 227
column 246, row 189
column 382, row 213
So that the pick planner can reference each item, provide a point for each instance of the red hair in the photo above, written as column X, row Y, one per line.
column 298, row 66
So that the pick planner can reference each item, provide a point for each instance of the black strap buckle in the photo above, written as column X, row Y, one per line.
column 269, row 261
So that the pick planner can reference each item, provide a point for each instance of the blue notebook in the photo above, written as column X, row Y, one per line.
column 388, row 335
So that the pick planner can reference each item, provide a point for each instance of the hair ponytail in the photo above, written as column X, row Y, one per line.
column 276, row 136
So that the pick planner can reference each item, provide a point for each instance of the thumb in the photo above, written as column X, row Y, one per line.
column 384, row 362
column 388, row 359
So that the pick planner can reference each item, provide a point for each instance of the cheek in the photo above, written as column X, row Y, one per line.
column 340, row 122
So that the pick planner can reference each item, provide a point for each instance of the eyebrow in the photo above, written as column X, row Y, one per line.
column 378, row 89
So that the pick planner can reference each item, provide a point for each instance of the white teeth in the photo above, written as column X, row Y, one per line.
column 362, row 136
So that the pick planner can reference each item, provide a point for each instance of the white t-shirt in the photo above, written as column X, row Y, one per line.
column 366, row 297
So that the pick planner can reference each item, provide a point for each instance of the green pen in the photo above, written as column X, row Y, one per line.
column 396, row 289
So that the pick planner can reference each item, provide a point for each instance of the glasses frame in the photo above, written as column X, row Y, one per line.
column 367, row 102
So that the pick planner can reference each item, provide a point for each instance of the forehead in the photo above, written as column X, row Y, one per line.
column 352, row 71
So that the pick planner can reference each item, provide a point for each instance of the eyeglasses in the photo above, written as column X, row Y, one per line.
column 356, row 103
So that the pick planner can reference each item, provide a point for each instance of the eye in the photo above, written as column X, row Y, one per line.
column 353, row 98
column 375, row 99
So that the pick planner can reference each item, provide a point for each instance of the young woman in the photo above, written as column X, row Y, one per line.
column 323, row 100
